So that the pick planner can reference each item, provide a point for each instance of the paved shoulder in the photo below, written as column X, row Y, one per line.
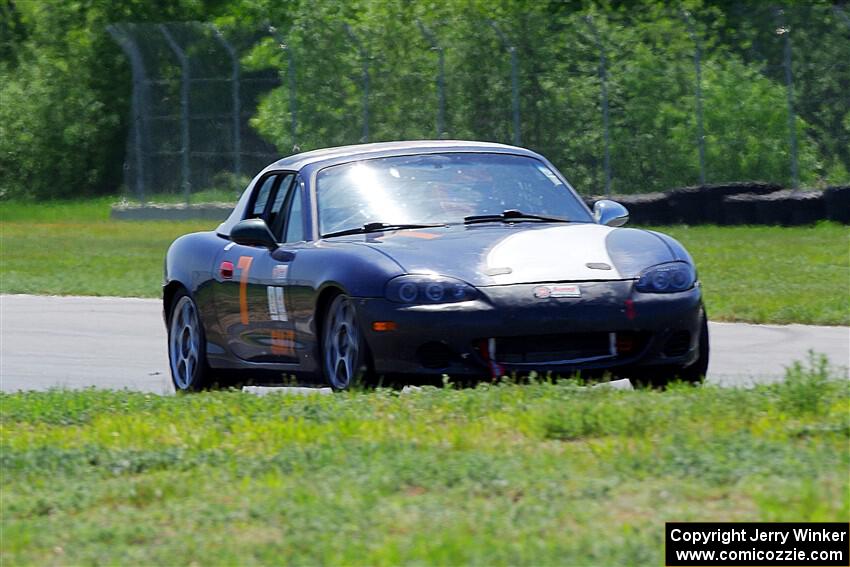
column 742, row 353
column 78, row 342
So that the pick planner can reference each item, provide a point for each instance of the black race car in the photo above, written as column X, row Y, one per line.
column 419, row 259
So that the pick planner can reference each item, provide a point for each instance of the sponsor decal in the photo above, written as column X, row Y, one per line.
column 280, row 271
column 562, row 290
column 277, row 305
column 542, row 292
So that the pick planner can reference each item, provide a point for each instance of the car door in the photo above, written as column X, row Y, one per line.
column 250, row 282
column 288, row 228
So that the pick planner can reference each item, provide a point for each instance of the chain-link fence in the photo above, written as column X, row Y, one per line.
column 684, row 98
column 191, row 105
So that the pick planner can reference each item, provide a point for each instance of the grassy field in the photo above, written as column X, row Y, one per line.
column 74, row 249
column 765, row 274
column 757, row 274
column 540, row 474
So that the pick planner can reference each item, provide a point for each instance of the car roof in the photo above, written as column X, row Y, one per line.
column 381, row 149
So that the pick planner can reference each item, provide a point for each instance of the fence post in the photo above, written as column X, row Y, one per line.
column 441, row 84
column 514, row 80
column 236, row 103
column 785, row 30
column 184, row 109
column 293, row 101
column 290, row 72
column 364, row 56
column 603, row 80
column 138, row 102
column 698, row 93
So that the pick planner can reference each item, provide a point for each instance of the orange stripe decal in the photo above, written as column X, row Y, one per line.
column 244, row 266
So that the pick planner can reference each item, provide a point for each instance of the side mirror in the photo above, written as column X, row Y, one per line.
column 610, row 213
column 253, row 232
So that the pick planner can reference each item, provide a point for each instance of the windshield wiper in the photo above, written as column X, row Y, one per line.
column 378, row 227
column 510, row 215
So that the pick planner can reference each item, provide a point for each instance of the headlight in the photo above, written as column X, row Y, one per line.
column 667, row 278
column 429, row 289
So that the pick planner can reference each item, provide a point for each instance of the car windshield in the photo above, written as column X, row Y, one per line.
column 440, row 188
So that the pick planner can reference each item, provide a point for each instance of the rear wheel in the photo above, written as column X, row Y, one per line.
column 343, row 347
column 187, row 354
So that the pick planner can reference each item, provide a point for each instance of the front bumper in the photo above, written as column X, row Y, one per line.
column 452, row 338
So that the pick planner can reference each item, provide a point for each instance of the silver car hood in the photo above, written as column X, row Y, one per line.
column 505, row 254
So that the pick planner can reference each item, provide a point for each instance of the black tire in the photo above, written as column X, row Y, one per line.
column 187, row 344
column 694, row 373
column 344, row 352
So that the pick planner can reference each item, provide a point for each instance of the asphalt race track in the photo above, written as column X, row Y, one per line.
column 77, row 342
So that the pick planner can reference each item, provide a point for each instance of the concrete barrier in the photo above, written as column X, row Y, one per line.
column 178, row 212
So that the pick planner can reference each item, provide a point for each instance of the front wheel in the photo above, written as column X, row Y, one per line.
column 343, row 346
column 694, row 373
column 187, row 355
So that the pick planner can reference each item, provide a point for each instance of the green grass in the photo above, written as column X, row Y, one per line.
column 73, row 248
column 206, row 196
column 540, row 474
column 763, row 274
column 756, row 274
column 79, row 211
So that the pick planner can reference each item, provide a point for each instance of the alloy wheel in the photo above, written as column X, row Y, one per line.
column 184, row 341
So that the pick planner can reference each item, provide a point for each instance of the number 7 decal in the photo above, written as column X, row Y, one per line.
column 244, row 266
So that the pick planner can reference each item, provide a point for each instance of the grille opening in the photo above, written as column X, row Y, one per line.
column 678, row 344
column 434, row 355
column 553, row 348
column 566, row 347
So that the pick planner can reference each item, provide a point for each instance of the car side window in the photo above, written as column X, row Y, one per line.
column 295, row 218
column 261, row 199
column 274, row 217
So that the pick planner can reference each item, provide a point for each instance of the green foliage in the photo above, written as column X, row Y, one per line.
column 64, row 94
column 62, row 149
column 650, row 74
column 806, row 385
column 12, row 33
column 820, row 38
column 499, row 474
column 65, row 85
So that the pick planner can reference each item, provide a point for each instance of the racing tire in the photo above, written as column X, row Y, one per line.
column 344, row 351
column 694, row 373
column 187, row 346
